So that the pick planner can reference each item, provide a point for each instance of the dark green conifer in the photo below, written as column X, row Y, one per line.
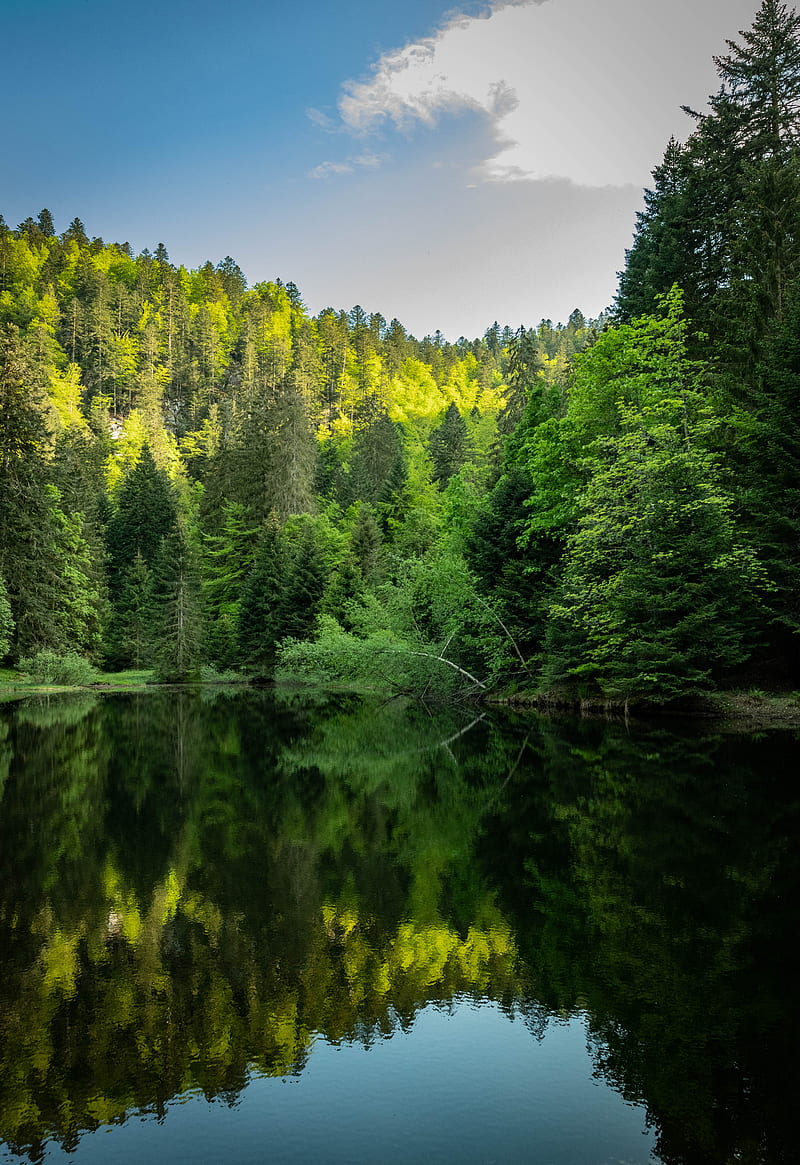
column 366, row 545
column 449, row 446
column 261, row 610
column 345, row 586
column 29, row 540
column 227, row 559
column 130, row 635
column 304, row 587
column 377, row 453
column 145, row 514
column 176, row 605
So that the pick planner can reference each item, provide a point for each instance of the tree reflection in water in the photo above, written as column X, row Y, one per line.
column 194, row 888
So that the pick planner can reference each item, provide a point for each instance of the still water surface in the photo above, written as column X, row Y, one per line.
column 271, row 926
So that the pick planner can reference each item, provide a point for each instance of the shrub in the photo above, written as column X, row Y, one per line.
column 210, row 675
column 48, row 667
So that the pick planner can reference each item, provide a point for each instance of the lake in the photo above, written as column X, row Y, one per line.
column 280, row 925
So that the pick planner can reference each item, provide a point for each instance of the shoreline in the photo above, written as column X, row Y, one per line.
column 737, row 707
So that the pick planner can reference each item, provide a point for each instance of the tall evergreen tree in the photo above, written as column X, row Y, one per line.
column 723, row 220
column 304, row 586
column 176, row 605
column 665, row 241
column 227, row 559
column 261, row 609
column 29, row 544
column 6, row 620
column 661, row 591
column 449, row 446
column 145, row 514
column 366, row 545
column 378, row 456
column 130, row 639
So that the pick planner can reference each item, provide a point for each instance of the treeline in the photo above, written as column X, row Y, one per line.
column 193, row 470
column 197, row 471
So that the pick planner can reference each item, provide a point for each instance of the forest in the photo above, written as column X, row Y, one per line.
column 200, row 479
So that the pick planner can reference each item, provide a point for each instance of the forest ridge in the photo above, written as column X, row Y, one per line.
column 197, row 473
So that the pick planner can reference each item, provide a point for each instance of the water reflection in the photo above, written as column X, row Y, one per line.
column 196, row 889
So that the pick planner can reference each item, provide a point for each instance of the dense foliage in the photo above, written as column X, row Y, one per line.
column 197, row 471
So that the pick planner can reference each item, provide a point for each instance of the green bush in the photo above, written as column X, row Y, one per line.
column 48, row 667
column 210, row 675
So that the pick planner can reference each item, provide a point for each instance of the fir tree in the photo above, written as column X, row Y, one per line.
column 145, row 514
column 228, row 558
column 449, row 446
column 176, row 605
column 366, row 545
column 661, row 591
column 261, row 610
column 130, row 637
column 6, row 620
column 304, row 586
column 29, row 539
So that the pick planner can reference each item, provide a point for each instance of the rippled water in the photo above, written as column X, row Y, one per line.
column 296, row 927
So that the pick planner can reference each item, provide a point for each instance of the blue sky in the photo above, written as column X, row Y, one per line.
column 447, row 165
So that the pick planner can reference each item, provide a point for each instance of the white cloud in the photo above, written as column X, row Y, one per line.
column 326, row 169
column 321, row 119
column 368, row 160
column 573, row 89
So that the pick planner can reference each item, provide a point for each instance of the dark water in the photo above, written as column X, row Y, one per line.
column 269, row 927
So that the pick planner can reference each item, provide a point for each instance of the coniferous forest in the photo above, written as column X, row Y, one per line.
column 200, row 478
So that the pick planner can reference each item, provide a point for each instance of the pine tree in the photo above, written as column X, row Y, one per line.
column 366, row 545
column 661, row 591
column 145, row 514
column 228, row 558
column 130, row 638
column 449, row 446
column 29, row 550
column 304, row 586
column 261, row 610
column 6, row 620
column 176, row 606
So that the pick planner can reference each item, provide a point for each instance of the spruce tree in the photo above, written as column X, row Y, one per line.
column 176, row 606
column 768, row 481
column 130, row 640
column 366, row 545
column 723, row 220
column 665, row 241
column 261, row 610
column 6, row 620
column 30, row 544
column 449, row 446
column 304, row 586
column 377, row 458
column 662, row 592
column 271, row 462
column 345, row 586
column 145, row 514
column 227, row 560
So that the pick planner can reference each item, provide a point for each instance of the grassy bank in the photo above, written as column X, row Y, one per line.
column 744, row 708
